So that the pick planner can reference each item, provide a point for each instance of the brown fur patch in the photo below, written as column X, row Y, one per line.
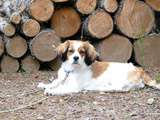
column 98, row 68
column 82, row 51
column 63, row 47
column 139, row 73
column 91, row 51
column 134, row 76
column 146, row 78
column 71, row 49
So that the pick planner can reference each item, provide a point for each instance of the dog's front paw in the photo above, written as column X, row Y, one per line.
column 49, row 92
column 41, row 85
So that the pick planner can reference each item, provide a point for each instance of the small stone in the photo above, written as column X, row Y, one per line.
column 101, row 92
column 150, row 101
column 95, row 103
column 133, row 114
column 40, row 118
column 61, row 100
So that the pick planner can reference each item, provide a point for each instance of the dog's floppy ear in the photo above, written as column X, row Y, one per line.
column 91, row 53
column 62, row 50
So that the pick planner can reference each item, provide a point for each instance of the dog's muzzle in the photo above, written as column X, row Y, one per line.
column 75, row 58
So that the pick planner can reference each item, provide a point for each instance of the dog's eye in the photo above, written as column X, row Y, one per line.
column 82, row 52
column 70, row 50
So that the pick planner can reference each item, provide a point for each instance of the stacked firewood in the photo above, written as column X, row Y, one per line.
column 121, row 30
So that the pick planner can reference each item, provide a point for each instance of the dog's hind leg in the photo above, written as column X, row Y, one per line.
column 148, row 80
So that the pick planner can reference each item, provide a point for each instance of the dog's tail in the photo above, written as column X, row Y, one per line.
column 148, row 80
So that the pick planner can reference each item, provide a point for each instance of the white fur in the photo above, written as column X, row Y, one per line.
column 114, row 78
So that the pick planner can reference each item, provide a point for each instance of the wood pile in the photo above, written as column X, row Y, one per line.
column 121, row 30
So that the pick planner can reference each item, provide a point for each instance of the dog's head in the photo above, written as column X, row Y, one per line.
column 77, row 52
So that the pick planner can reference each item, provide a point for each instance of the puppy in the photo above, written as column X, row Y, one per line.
column 80, row 71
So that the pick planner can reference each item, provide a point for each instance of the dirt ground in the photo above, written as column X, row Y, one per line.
column 21, row 100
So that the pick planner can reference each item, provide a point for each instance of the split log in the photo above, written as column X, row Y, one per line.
column 30, row 64
column 15, row 18
column 147, row 51
column 43, row 46
column 109, row 5
column 86, row 6
column 99, row 24
column 66, row 22
column 41, row 10
column 16, row 46
column 1, row 46
column 135, row 18
column 7, row 28
column 30, row 27
column 9, row 64
column 115, row 48
column 155, row 4
column 55, row 64
column 60, row 1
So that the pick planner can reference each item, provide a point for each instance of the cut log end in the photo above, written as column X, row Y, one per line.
column 66, row 22
column 155, row 4
column 16, row 46
column 41, row 10
column 9, row 64
column 147, row 51
column 86, row 6
column 15, row 18
column 115, row 48
column 30, row 64
column 135, row 19
column 7, row 29
column 43, row 46
column 30, row 27
column 99, row 24
column 109, row 5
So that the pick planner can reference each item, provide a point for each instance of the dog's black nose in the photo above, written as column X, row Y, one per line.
column 75, row 58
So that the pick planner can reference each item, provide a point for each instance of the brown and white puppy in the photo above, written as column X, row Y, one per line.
column 80, row 71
